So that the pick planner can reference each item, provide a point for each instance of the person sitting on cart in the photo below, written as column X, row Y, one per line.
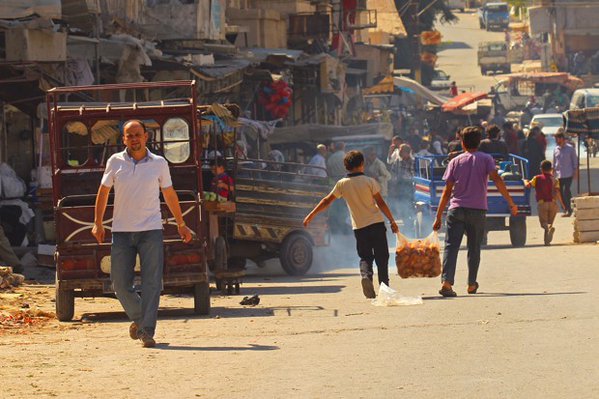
column 222, row 183
column 492, row 144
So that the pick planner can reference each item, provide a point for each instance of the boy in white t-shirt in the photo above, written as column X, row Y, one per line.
column 365, row 204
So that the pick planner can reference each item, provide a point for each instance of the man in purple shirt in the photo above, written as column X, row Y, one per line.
column 565, row 164
column 465, row 190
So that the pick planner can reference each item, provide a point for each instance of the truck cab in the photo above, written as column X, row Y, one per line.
column 494, row 16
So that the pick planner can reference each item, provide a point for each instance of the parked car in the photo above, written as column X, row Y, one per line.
column 494, row 56
column 549, row 123
column 585, row 98
column 440, row 80
column 457, row 5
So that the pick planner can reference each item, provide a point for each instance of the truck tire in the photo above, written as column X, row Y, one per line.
column 65, row 303
column 296, row 254
column 201, row 298
column 518, row 231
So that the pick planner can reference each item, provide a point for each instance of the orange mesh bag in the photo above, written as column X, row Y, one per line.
column 418, row 258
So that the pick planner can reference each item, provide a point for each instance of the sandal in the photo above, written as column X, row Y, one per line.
column 448, row 293
column 470, row 292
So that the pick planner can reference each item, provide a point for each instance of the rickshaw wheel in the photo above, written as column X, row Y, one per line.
column 220, row 253
column 296, row 254
column 201, row 298
column 65, row 303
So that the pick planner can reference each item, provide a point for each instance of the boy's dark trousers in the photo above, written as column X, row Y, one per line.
column 472, row 223
column 371, row 243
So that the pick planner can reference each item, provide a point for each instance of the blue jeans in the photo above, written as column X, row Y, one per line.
column 143, row 310
column 460, row 221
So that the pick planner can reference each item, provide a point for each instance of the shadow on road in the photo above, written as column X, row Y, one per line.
column 295, row 290
column 504, row 295
column 454, row 46
column 250, row 347
column 528, row 246
column 184, row 314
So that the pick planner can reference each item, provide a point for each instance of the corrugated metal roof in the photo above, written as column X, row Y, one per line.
column 220, row 69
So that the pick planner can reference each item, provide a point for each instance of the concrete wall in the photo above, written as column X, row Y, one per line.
column 267, row 28
column 377, row 61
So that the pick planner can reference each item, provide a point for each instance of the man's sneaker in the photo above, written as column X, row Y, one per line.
column 146, row 340
column 133, row 330
column 368, row 288
column 550, row 235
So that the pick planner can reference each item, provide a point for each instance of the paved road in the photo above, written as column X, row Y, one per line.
column 531, row 332
column 458, row 56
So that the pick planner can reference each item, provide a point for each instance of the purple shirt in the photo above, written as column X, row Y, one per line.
column 565, row 161
column 470, row 173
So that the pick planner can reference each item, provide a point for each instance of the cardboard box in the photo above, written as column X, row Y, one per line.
column 42, row 45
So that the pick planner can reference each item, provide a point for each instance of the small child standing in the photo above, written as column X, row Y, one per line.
column 365, row 203
column 546, row 193
column 222, row 183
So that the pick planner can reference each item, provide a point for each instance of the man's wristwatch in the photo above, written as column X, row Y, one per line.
column 179, row 225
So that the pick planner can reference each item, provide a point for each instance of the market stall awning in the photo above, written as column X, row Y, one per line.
column 419, row 90
column 562, row 78
column 318, row 133
column 464, row 99
column 385, row 86
column 583, row 121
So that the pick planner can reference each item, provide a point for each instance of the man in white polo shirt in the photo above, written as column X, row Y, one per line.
column 138, row 177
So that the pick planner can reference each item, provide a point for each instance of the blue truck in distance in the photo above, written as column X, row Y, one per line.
column 494, row 16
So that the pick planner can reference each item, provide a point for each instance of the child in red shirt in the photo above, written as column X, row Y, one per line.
column 222, row 183
column 546, row 193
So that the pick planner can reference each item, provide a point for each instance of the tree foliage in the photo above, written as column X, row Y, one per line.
column 431, row 12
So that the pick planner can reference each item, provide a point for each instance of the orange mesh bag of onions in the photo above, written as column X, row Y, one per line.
column 418, row 258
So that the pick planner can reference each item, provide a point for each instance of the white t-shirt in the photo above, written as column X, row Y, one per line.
column 358, row 191
column 136, row 191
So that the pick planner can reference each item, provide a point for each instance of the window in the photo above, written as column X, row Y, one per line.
column 75, row 144
column 175, row 137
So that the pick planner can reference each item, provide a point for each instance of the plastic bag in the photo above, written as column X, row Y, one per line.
column 418, row 258
column 12, row 185
column 389, row 297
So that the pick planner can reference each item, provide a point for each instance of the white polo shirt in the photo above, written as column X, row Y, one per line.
column 137, row 187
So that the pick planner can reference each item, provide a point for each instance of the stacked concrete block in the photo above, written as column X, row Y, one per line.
column 586, row 219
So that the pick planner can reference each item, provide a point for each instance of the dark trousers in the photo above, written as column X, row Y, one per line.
column 371, row 243
column 564, row 187
column 460, row 221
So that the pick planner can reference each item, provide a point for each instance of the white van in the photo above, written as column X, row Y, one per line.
column 585, row 98
column 457, row 5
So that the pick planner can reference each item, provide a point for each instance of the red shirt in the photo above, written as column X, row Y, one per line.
column 545, row 186
column 222, row 191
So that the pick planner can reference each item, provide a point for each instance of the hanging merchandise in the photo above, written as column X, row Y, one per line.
column 276, row 98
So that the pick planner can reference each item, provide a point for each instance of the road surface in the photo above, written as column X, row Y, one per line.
column 458, row 54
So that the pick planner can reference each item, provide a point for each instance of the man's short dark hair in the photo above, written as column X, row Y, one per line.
column 471, row 136
column 559, row 135
column 353, row 159
column 493, row 131
column 546, row 165
column 508, row 126
column 217, row 162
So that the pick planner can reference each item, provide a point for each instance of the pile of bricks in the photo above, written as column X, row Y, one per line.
column 586, row 219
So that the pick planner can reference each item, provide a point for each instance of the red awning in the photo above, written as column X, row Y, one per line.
column 462, row 100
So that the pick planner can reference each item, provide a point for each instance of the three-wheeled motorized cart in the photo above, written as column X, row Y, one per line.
column 85, row 130
column 263, row 218
column 429, row 185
